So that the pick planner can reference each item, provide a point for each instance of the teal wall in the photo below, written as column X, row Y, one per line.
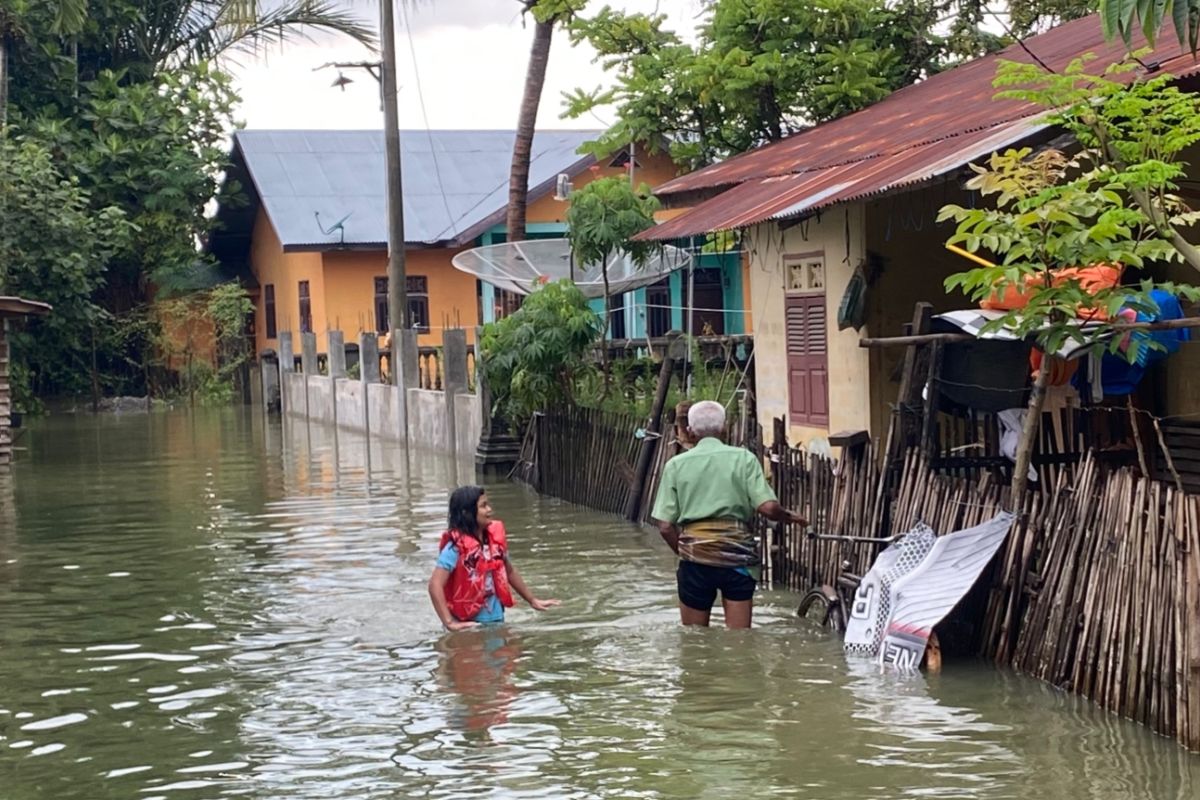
column 498, row 235
column 730, row 265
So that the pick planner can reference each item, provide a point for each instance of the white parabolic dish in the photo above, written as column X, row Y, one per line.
column 523, row 266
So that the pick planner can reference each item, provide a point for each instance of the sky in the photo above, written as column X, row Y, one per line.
column 465, row 58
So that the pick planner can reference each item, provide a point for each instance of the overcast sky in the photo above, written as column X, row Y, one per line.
column 470, row 58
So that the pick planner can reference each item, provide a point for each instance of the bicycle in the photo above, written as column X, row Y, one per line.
column 833, row 606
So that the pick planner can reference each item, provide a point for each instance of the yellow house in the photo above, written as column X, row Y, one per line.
column 314, row 231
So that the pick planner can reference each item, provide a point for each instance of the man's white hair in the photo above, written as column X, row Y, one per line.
column 706, row 418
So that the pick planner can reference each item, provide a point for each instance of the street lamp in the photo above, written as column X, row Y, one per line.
column 384, row 71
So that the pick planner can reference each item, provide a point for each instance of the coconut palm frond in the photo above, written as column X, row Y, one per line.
column 210, row 28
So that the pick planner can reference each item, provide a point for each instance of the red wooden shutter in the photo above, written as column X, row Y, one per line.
column 808, row 359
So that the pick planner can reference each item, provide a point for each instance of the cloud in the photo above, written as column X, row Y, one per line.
column 470, row 66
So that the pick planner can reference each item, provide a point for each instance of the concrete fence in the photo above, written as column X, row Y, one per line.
column 450, row 419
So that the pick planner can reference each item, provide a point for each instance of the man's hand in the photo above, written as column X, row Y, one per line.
column 456, row 625
column 542, row 605
column 795, row 518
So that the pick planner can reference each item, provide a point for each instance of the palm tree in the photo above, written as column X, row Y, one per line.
column 546, row 14
column 104, row 35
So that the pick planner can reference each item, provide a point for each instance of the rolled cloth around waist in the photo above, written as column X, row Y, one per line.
column 719, row 543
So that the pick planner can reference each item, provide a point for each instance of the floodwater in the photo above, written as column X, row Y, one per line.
column 206, row 606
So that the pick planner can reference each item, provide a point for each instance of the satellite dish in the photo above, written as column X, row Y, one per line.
column 523, row 266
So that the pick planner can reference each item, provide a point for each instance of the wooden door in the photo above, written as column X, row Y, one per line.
column 807, row 360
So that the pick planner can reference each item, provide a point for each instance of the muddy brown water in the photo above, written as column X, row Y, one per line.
column 209, row 605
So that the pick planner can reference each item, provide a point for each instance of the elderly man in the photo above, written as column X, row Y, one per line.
column 706, row 500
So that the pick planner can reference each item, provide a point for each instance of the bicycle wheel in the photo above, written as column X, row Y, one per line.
column 816, row 607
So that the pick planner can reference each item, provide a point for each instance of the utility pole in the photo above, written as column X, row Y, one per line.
column 396, row 273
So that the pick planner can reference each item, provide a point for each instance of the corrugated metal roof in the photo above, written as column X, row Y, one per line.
column 915, row 134
column 300, row 174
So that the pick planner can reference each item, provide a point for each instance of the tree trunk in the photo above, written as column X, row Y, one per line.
column 3, row 80
column 1029, row 429
column 604, row 331
column 518, row 180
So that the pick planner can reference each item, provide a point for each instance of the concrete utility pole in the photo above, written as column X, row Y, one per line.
column 397, row 276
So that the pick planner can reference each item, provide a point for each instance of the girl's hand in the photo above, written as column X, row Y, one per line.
column 456, row 625
column 542, row 605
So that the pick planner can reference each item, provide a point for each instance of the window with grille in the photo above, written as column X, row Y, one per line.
column 658, row 311
column 382, row 324
column 418, row 302
column 269, row 309
column 305, row 308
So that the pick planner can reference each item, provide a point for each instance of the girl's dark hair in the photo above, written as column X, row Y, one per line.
column 464, row 503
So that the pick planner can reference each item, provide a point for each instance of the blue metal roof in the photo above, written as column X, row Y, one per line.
column 455, row 182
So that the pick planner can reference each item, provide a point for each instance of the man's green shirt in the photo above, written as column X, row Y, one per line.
column 711, row 481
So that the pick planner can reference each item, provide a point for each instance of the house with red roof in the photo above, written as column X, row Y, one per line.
column 843, row 216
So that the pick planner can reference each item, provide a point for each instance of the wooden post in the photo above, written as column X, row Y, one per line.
column 5, row 401
column 633, row 505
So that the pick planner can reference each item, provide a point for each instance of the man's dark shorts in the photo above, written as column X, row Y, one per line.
column 699, row 583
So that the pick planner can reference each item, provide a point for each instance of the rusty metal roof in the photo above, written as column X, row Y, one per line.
column 914, row 135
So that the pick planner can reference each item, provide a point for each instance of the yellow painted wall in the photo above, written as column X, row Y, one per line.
column 342, row 283
column 655, row 169
column 350, row 291
column 849, row 364
column 285, row 270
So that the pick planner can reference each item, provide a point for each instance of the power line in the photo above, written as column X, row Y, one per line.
column 437, row 171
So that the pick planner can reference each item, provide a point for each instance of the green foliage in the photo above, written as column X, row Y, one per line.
column 605, row 215
column 533, row 357
column 155, row 150
column 635, row 380
column 54, row 243
column 760, row 70
column 59, row 45
column 1112, row 203
column 1124, row 17
column 119, row 93
column 203, row 337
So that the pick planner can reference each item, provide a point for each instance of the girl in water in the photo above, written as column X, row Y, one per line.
column 474, row 579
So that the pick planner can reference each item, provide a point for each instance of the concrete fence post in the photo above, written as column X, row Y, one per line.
column 454, row 381
column 337, row 354
column 406, row 355
column 269, row 369
column 287, row 364
column 368, row 358
column 308, row 353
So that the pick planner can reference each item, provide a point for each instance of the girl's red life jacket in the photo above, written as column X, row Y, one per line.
column 466, row 590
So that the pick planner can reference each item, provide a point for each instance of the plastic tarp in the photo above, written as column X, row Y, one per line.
column 913, row 585
column 973, row 320
column 523, row 266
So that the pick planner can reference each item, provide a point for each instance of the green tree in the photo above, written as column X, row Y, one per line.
column 602, row 220
column 534, row 357
column 54, row 243
column 1124, row 17
column 56, row 45
column 1053, row 213
column 760, row 70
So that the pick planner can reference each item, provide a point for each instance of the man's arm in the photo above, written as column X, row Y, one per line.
column 666, row 508
column 777, row 513
column 763, row 496
column 670, row 534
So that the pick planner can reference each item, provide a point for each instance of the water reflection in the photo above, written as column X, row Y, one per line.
column 476, row 667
